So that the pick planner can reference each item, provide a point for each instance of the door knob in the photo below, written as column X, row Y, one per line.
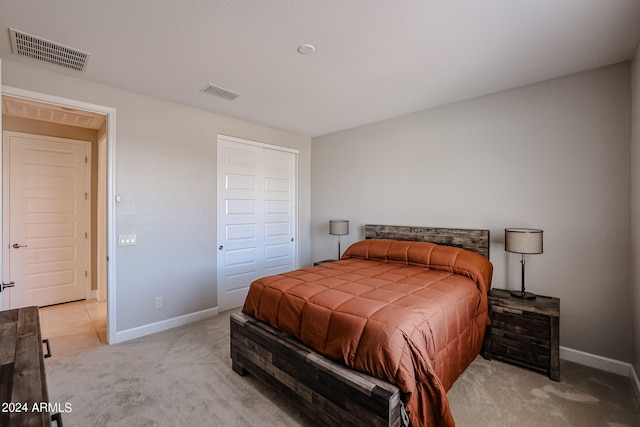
column 16, row 246
column 8, row 285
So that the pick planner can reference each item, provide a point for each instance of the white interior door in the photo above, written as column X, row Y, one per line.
column 46, row 182
column 256, row 215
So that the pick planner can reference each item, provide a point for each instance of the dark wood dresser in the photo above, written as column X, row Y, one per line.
column 23, row 386
column 525, row 332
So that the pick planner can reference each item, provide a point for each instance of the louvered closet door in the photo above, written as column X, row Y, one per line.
column 256, row 215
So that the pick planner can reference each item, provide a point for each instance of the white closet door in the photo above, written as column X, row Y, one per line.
column 256, row 215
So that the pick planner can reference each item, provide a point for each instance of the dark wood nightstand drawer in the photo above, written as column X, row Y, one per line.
column 525, row 324
column 510, row 345
column 539, row 344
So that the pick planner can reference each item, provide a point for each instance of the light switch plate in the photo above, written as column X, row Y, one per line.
column 127, row 240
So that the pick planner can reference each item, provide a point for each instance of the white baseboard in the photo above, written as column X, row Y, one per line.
column 163, row 325
column 604, row 364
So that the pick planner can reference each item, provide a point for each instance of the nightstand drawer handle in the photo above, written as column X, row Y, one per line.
column 48, row 353
column 57, row 417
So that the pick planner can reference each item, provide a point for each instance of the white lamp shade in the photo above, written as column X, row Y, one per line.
column 338, row 227
column 523, row 240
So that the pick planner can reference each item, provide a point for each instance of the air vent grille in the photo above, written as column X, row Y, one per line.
column 221, row 92
column 44, row 50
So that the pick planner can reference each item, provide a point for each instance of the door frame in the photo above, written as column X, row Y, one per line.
column 107, row 240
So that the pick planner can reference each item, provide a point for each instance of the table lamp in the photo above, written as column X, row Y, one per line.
column 338, row 227
column 523, row 241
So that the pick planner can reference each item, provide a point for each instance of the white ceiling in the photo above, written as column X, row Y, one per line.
column 374, row 59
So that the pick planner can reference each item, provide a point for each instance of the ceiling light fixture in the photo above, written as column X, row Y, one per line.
column 306, row 49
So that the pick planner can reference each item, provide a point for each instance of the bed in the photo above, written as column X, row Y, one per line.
column 376, row 338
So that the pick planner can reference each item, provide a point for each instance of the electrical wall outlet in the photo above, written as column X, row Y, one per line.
column 127, row 240
column 159, row 302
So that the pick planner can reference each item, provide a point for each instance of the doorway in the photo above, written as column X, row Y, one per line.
column 40, row 113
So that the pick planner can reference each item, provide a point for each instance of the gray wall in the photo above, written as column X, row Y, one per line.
column 166, row 176
column 554, row 155
column 635, row 204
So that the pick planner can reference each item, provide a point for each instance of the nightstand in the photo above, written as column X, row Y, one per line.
column 324, row 261
column 525, row 332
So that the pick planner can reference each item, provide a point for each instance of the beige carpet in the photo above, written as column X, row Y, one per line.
column 183, row 377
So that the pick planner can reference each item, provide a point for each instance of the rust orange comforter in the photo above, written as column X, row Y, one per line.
column 411, row 313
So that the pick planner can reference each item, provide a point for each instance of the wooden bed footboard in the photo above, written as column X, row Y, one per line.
column 330, row 393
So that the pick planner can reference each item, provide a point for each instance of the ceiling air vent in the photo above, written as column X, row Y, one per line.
column 44, row 50
column 221, row 92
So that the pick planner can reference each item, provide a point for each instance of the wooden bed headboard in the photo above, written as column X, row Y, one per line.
column 473, row 240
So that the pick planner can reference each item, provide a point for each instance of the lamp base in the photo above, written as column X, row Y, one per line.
column 523, row 295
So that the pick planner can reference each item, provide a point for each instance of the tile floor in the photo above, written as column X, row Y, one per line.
column 74, row 327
